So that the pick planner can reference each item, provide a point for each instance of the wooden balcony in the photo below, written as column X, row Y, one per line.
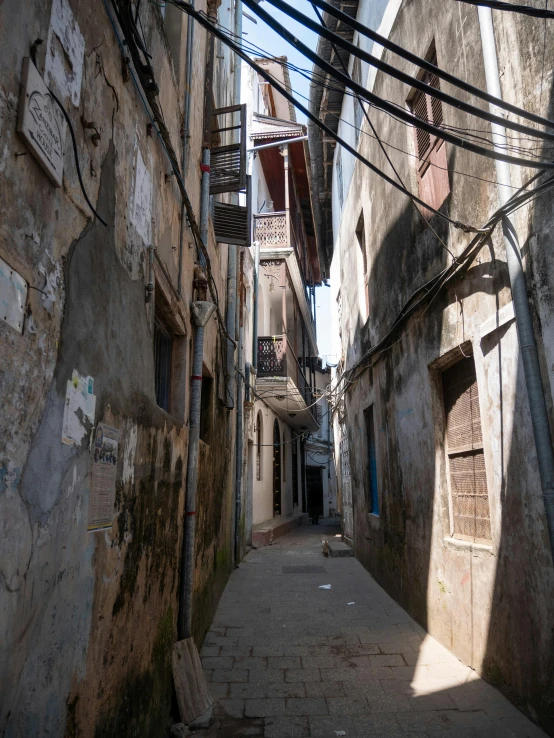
column 270, row 229
column 277, row 359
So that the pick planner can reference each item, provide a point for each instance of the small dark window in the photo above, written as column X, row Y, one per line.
column 163, row 353
column 464, row 448
column 206, row 409
column 434, row 185
column 372, row 497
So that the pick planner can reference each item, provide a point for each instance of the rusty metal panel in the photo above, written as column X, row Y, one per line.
column 231, row 224
column 466, row 460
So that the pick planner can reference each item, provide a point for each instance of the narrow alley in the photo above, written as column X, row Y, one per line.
column 287, row 658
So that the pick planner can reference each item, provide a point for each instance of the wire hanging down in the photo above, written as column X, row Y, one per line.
column 427, row 66
column 285, row 93
column 385, row 105
column 524, row 9
column 407, row 79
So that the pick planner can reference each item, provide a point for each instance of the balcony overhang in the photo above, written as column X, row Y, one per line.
column 283, row 396
column 290, row 258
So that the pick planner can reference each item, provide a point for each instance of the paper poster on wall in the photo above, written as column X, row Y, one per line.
column 102, row 488
column 78, row 413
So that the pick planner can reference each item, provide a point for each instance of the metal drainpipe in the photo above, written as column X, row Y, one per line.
column 526, row 335
column 255, row 306
column 201, row 313
column 204, row 200
column 239, row 451
column 185, row 139
column 230, row 320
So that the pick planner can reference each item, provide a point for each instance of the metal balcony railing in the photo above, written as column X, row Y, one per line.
column 277, row 359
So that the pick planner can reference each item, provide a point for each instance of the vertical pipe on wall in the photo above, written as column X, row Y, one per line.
column 240, row 449
column 522, row 311
column 255, row 306
column 230, row 321
column 201, row 313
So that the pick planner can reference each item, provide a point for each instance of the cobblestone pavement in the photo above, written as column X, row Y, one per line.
column 285, row 658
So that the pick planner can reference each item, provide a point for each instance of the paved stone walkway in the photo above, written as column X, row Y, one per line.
column 285, row 658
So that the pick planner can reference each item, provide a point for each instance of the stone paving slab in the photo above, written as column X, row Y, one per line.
column 285, row 659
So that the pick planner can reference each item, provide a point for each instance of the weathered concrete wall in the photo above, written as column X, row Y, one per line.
column 88, row 619
column 491, row 604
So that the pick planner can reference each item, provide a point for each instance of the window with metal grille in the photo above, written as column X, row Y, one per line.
column 259, row 436
column 358, row 109
column 434, row 184
column 372, row 489
column 163, row 351
column 469, row 499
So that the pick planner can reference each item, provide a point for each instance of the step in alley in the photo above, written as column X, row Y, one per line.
column 285, row 657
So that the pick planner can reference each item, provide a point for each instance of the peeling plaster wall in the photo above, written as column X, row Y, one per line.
column 88, row 619
column 492, row 605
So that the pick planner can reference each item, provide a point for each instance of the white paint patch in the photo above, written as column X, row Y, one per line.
column 52, row 284
column 141, row 211
column 65, row 51
column 129, row 456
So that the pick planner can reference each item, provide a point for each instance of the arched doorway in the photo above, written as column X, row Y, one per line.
column 276, row 469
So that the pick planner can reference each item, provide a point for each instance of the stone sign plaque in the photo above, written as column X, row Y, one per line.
column 41, row 123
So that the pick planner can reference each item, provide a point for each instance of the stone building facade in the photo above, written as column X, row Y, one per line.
column 95, row 367
column 438, row 470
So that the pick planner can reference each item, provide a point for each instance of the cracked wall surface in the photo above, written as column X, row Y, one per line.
column 88, row 619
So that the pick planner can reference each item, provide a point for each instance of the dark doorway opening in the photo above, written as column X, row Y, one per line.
column 314, row 484
column 276, row 469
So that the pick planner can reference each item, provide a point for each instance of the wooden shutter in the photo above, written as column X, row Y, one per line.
column 466, row 459
column 231, row 224
column 428, row 109
column 228, row 163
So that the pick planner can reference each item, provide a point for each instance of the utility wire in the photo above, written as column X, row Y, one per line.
column 148, row 85
column 427, row 66
column 376, row 135
column 375, row 99
column 407, row 79
column 288, row 96
column 524, row 9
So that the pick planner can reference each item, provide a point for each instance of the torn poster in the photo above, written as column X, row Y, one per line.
column 102, row 488
column 78, row 413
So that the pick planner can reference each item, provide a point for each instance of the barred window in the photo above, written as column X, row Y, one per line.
column 464, row 446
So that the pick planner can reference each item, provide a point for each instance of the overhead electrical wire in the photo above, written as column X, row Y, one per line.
column 376, row 136
column 431, row 289
column 427, row 65
column 147, row 88
column 523, row 9
column 385, row 105
column 321, row 81
column 407, row 79
column 288, row 96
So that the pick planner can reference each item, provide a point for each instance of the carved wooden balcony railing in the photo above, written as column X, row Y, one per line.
column 277, row 359
column 270, row 229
